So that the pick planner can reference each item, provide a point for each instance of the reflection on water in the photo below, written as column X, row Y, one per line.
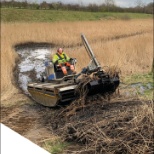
column 31, row 65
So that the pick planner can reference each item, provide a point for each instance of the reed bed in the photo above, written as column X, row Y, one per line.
column 126, row 44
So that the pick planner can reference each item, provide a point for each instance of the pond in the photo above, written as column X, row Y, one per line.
column 31, row 65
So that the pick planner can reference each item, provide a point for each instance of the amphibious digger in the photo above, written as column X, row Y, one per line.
column 55, row 88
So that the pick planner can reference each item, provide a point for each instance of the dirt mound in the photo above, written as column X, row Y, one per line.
column 99, row 126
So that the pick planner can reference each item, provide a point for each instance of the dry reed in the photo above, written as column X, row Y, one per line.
column 127, row 44
column 116, row 127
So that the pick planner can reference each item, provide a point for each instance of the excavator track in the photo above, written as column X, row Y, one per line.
column 50, row 94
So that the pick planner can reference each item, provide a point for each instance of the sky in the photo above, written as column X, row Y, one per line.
column 121, row 3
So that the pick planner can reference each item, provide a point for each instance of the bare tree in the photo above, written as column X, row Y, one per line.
column 139, row 3
column 109, row 4
column 140, row 6
column 44, row 5
column 12, row 3
column 25, row 4
column 80, row 2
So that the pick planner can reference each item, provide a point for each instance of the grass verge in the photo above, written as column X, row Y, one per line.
column 142, row 84
column 27, row 15
column 55, row 147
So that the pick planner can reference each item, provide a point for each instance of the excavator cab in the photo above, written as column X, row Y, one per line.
column 60, row 70
column 55, row 71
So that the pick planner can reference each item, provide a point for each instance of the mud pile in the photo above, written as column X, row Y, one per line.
column 99, row 126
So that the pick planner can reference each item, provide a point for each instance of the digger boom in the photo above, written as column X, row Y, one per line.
column 90, row 52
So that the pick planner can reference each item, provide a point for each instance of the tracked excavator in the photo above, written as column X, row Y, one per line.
column 57, row 89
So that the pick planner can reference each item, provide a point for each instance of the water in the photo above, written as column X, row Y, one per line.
column 134, row 89
column 142, row 87
column 31, row 66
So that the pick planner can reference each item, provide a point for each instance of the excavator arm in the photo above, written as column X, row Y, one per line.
column 94, row 64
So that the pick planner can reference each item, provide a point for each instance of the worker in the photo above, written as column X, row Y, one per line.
column 61, row 59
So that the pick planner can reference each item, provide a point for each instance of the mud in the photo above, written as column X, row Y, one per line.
column 27, row 120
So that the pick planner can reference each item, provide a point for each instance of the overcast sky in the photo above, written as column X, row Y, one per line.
column 122, row 3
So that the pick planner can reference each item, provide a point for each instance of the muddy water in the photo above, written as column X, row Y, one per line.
column 142, row 87
column 31, row 65
column 134, row 89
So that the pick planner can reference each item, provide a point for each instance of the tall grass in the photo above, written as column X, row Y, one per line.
column 127, row 44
